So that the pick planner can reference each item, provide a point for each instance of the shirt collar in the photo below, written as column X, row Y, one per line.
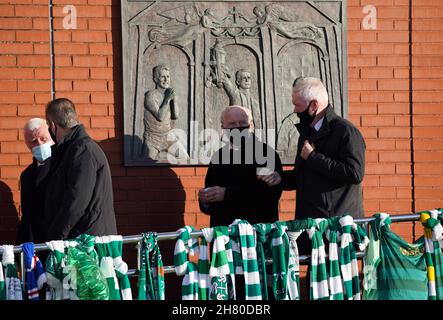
column 317, row 126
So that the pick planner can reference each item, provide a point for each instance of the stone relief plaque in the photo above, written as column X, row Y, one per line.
column 184, row 61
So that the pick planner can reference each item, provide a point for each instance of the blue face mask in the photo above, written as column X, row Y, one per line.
column 42, row 152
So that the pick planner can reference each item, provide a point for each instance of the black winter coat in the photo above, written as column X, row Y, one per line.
column 33, row 181
column 328, row 183
column 79, row 195
column 246, row 197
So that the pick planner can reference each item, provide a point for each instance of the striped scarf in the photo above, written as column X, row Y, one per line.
column 153, row 286
column 295, row 229
column 319, row 277
column 433, row 234
column 343, row 277
column 262, row 231
column 245, row 257
column 221, row 271
column 185, row 246
column 12, row 285
column 348, row 260
column 293, row 275
column 112, row 266
column 35, row 275
column 280, row 257
column 121, row 267
column 55, row 262
column 335, row 280
column 360, row 237
column 203, row 270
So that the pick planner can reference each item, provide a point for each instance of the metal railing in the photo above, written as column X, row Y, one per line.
column 196, row 234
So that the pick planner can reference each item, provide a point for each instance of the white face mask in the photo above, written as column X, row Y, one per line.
column 42, row 152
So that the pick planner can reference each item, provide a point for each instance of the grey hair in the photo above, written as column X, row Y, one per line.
column 227, row 109
column 310, row 88
column 34, row 123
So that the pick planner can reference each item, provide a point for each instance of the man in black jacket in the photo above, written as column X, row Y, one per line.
column 330, row 160
column 232, row 187
column 79, row 196
column 33, row 182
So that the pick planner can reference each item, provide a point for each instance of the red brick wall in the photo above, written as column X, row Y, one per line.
column 379, row 103
column 88, row 71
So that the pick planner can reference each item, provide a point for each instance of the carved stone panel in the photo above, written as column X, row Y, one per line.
column 184, row 61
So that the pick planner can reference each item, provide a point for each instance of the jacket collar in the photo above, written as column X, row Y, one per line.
column 41, row 170
column 325, row 128
column 77, row 132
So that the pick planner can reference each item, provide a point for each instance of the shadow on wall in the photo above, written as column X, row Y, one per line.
column 8, row 215
column 145, row 198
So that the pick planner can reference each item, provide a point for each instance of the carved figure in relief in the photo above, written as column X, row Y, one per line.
column 160, row 108
column 285, row 22
column 240, row 94
column 196, row 24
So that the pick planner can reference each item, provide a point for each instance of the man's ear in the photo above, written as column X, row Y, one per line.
column 314, row 105
column 251, row 125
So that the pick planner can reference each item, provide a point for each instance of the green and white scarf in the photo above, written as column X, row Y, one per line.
column 184, row 246
column 55, row 262
column 221, row 272
column 360, row 237
column 335, row 279
column 242, row 237
column 121, row 267
column 319, row 289
column 433, row 234
column 102, row 246
column 295, row 229
column 263, row 231
column 112, row 266
column 348, row 260
column 151, row 281
column 203, row 270
column 280, row 257
column 13, row 284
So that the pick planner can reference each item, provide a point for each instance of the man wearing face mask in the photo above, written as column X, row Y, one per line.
column 33, row 181
column 330, row 160
column 232, row 187
column 79, row 196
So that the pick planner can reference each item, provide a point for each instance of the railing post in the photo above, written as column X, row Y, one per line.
column 23, row 270
column 139, row 248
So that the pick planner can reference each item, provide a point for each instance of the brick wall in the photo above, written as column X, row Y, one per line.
column 379, row 103
column 427, row 75
column 88, row 71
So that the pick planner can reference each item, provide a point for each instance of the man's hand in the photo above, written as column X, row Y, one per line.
column 169, row 94
column 212, row 194
column 272, row 179
column 306, row 150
